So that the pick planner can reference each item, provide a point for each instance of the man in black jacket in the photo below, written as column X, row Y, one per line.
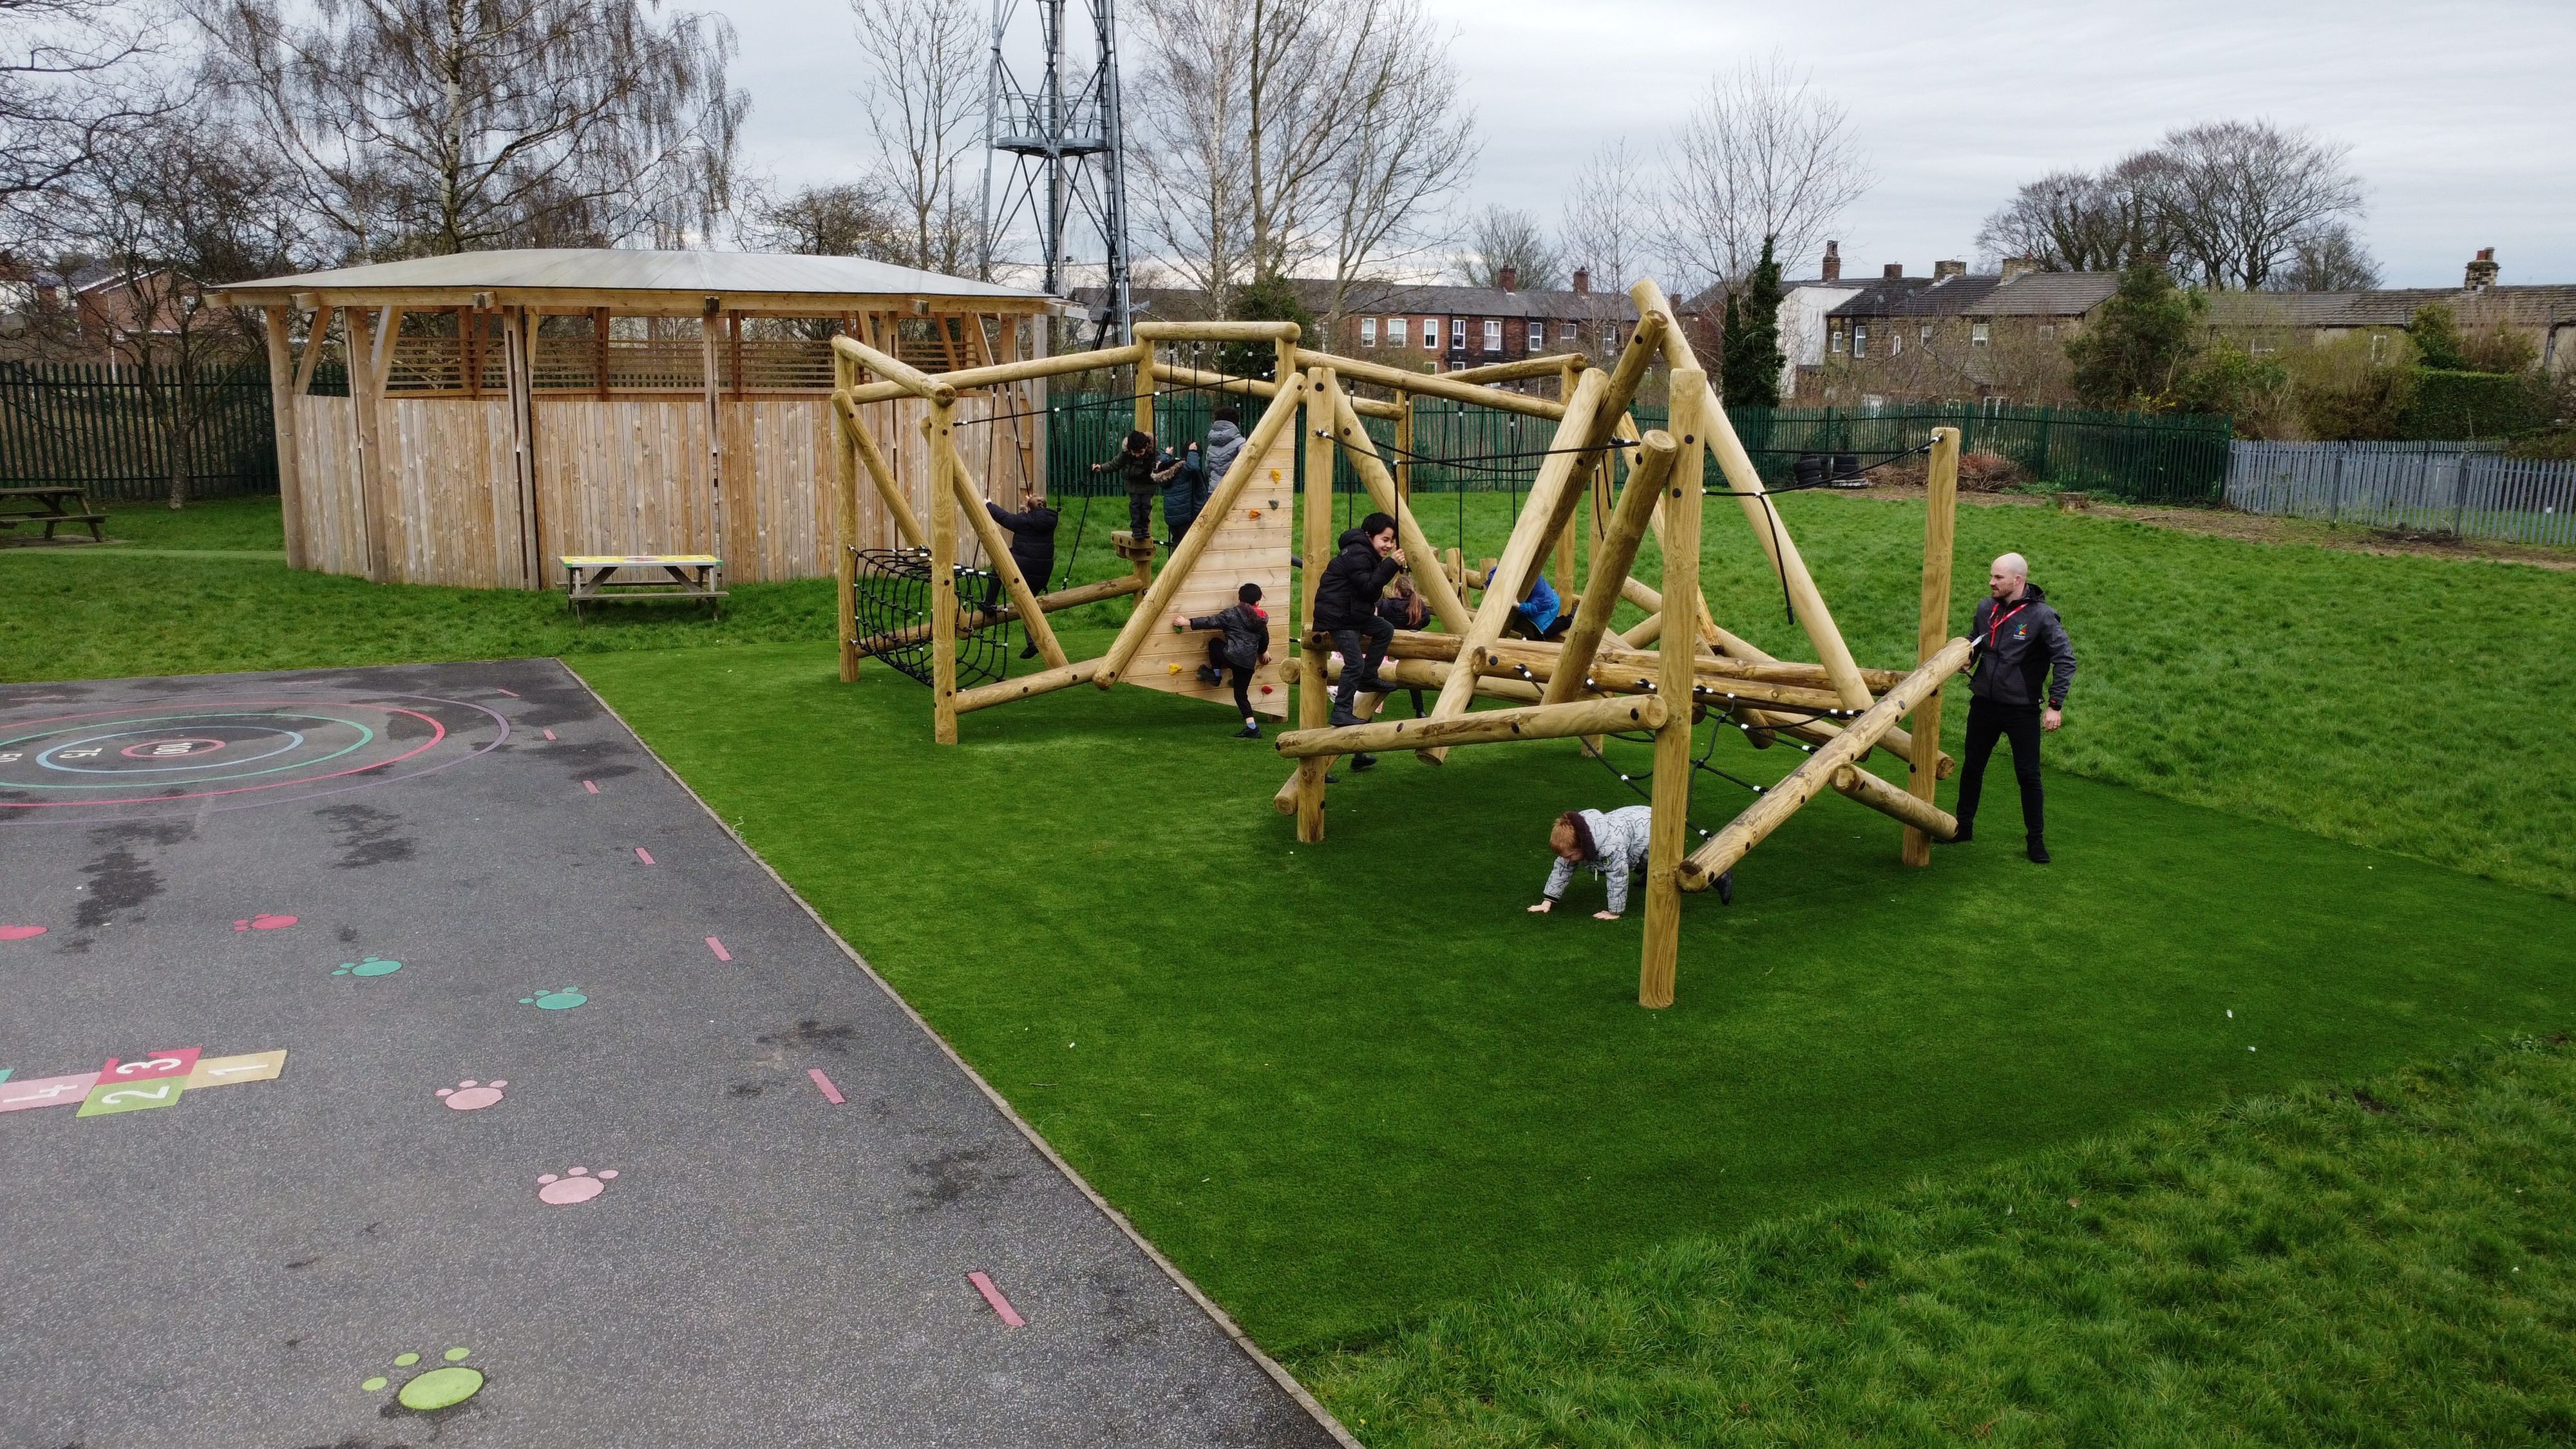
column 1346, row 607
column 1032, row 548
column 2022, row 657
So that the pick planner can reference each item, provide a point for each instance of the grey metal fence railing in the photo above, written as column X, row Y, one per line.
column 2468, row 489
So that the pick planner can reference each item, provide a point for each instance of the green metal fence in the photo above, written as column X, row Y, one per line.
column 106, row 431
column 2136, row 457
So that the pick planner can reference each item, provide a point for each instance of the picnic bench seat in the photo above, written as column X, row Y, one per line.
column 594, row 578
column 48, row 506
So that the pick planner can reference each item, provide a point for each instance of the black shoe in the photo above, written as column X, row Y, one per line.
column 1379, row 684
column 1726, row 889
column 1030, row 652
column 1363, row 762
column 1248, row 732
column 1966, row 834
column 1332, row 779
column 1342, row 718
column 2037, row 851
column 1208, row 675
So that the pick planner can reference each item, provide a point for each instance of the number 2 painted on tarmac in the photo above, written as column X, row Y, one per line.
column 156, row 1094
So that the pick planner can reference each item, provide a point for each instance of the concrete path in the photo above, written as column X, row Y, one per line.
column 576, row 1105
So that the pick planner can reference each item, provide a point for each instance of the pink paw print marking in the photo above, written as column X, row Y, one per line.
column 576, row 1185
column 264, row 923
column 468, row 1097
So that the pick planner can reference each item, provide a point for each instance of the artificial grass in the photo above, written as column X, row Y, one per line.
column 2375, row 1266
column 1343, row 1083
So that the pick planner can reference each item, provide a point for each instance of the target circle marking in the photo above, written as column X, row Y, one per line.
column 87, row 747
column 149, row 755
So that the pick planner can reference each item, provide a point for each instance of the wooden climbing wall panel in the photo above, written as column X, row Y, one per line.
column 1250, row 547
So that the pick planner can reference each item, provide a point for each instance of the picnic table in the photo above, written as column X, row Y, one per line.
column 594, row 578
column 51, row 505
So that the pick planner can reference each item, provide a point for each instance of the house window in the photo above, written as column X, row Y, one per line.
column 1395, row 329
column 1834, row 339
column 1860, row 339
column 1493, row 335
column 1431, row 334
column 1368, row 332
column 2047, row 330
column 1568, row 332
column 1923, row 334
column 1538, row 337
column 1457, row 367
column 1895, row 344
column 1976, row 334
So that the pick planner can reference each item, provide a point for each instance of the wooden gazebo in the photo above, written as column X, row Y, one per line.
column 505, row 408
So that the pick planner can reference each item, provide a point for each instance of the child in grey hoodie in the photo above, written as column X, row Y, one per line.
column 1612, row 846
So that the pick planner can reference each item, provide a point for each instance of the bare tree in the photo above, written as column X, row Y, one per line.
column 2237, row 196
column 1765, row 155
column 74, row 75
column 2079, row 221
column 437, row 126
column 1284, row 135
column 1609, row 218
column 2328, row 259
column 166, row 213
column 851, row 219
column 926, row 111
column 1502, row 238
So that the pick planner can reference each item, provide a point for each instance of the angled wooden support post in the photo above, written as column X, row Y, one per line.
column 1158, row 595
column 894, row 370
column 1024, row 599
column 1383, row 491
column 1314, row 691
column 1940, row 531
column 1781, row 801
column 1919, row 817
column 889, row 491
column 845, row 520
column 1611, row 559
column 941, row 429
column 1692, row 405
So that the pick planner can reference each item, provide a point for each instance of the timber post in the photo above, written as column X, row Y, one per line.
column 1691, row 406
column 940, row 429
column 845, row 520
column 1940, row 532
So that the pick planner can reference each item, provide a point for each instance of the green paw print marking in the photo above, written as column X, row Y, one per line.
column 557, row 998
column 372, row 966
column 440, row 1388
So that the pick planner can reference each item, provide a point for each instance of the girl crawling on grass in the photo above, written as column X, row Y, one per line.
column 1612, row 846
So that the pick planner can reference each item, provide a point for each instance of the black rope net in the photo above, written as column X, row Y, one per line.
column 890, row 592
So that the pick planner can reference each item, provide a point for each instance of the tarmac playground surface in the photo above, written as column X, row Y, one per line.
column 399, row 1056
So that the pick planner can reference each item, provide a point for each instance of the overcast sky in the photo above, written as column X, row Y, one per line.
column 2458, row 114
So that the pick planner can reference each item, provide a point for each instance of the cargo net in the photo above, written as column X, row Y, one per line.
column 890, row 592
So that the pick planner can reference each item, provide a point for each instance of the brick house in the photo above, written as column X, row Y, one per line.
column 2544, row 315
column 1954, row 335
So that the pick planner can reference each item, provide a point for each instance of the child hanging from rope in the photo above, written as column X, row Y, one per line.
column 1612, row 846
column 1242, row 643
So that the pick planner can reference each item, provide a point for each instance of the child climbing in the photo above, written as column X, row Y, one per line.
column 1185, row 491
column 1032, row 532
column 1540, row 615
column 1242, row 644
column 1346, row 607
column 1224, row 440
column 1612, row 846
column 1136, row 468
column 1405, row 608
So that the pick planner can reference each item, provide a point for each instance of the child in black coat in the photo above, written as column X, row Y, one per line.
column 1242, row 643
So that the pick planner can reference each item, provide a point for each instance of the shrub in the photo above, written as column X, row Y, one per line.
column 2342, row 393
column 2458, row 405
column 2254, row 392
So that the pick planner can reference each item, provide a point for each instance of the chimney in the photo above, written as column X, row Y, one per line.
column 1583, row 281
column 1510, row 278
column 2482, row 272
column 1833, row 261
column 2015, row 266
column 1943, row 271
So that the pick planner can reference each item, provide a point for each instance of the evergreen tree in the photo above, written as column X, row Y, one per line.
column 2139, row 349
column 1751, row 357
column 1269, row 299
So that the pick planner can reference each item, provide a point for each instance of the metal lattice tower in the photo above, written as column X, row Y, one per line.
column 1066, row 141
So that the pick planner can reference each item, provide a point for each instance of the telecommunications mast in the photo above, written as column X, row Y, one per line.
column 1067, row 173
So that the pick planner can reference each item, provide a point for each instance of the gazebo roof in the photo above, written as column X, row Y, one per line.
column 632, row 281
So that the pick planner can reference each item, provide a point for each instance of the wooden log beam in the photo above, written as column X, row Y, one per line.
column 1493, row 726
column 1668, row 829
column 1612, row 559
column 1185, row 556
column 1003, row 691
column 889, row 492
column 1217, row 331
column 997, row 549
column 1636, row 674
column 1057, row 602
column 845, row 519
column 1940, row 532
column 1433, row 384
column 940, row 428
column 1765, row 815
column 1354, row 441
column 1553, row 365
column 1000, row 374
column 893, row 369
column 1313, row 701
column 1261, row 387
column 1919, row 817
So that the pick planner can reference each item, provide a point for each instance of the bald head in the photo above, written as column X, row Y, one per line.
column 2010, row 574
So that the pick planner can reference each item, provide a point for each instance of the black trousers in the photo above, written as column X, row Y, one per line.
column 1377, row 633
column 1140, row 516
column 1242, row 676
column 1987, row 723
